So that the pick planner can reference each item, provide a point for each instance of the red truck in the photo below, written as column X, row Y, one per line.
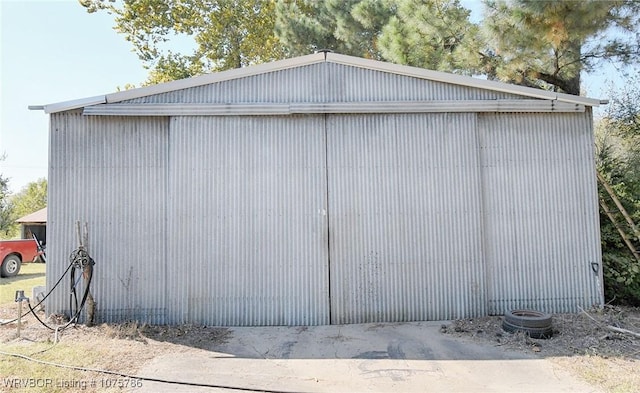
column 14, row 252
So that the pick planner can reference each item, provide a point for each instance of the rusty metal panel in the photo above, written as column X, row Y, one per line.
column 541, row 212
column 110, row 173
column 405, row 218
column 248, row 221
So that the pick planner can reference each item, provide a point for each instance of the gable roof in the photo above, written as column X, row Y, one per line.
column 39, row 216
column 319, row 57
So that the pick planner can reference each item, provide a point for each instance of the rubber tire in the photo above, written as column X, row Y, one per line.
column 10, row 266
column 528, row 318
column 543, row 332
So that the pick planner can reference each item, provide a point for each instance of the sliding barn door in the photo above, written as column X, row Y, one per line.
column 248, row 221
column 404, row 217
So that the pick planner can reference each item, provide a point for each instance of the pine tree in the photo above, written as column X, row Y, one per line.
column 433, row 34
column 548, row 44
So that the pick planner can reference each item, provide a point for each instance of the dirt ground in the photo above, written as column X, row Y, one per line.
column 586, row 344
column 585, row 333
column 583, row 343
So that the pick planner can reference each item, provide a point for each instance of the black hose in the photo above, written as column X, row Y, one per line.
column 71, row 320
column 80, row 259
column 37, row 317
column 129, row 376
column 44, row 298
column 73, row 296
column 89, row 268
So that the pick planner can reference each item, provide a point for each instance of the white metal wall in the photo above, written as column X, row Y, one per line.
column 248, row 221
column 323, row 82
column 110, row 173
column 540, row 212
column 405, row 218
column 252, row 220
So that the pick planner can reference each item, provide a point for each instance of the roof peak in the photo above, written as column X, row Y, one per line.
column 321, row 55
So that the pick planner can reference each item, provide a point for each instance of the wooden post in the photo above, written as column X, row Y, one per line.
column 19, row 317
column 83, row 244
column 626, row 239
column 79, row 237
column 613, row 196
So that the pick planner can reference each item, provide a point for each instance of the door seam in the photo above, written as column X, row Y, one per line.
column 326, row 173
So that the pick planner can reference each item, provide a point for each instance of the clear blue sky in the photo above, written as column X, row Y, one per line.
column 53, row 51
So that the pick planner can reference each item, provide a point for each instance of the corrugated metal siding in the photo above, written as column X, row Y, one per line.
column 540, row 211
column 405, row 218
column 248, row 221
column 357, row 84
column 111, row 174
column 226, row 220
column 323, row 82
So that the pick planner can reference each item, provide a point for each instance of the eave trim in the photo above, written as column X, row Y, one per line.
column 266, row 109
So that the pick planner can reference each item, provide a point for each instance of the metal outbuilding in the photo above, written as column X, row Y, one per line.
column 326, row 189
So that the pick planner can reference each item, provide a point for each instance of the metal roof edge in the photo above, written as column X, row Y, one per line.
column 462, row 80
column 314, row 58
column 68, row 105
column 215, row 77
column 182, row 83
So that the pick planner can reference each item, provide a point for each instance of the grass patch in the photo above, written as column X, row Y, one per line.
column 626, row 380
column 21, row 375
column 612, row 374
column 31, row 275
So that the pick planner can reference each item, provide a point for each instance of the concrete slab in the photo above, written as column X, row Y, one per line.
column 407, row 357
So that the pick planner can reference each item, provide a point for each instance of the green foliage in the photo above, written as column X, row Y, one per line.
column 547, row 44
column 544, row 44
column 618, row 159
column 31, row 198
column 434, row 34
column 225, row 34
column 6, row 208
column 173, row 67
column 349, row 27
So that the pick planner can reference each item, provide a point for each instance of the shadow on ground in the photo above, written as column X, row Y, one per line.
column 21, row 277
column 411, row 341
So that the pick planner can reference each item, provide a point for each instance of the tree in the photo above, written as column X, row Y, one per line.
column 226, row 34
column 435, row 34
column 6, row 208
column 543, row 44
column 548, row 44
column 31, row 198
column 348, row 27
column 618, row 159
